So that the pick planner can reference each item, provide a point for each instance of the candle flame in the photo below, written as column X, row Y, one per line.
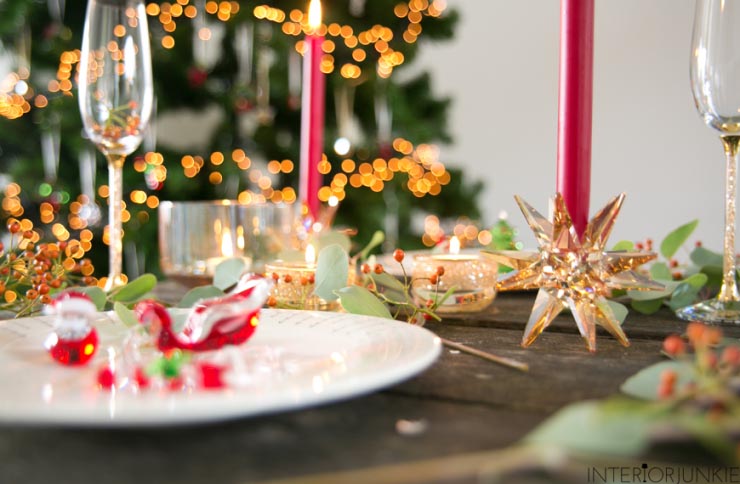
column 227, row 246
column 314, row 14
column 310, row 254
column 454, row 245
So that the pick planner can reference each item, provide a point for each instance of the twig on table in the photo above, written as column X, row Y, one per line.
column 511, row 363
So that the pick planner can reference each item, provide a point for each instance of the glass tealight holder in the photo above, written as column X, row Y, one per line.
column 294, row 286
column 472, row 277
column 195, row 236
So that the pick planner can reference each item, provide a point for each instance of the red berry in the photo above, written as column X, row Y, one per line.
column 674, row 345
column 440, row 271
column 398, row 255
column 14, row 227
column 365, row 268
column 378, row 269
column 288, row 278
column 434, row 279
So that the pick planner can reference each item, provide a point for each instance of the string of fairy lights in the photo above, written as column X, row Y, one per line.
column 376, row 47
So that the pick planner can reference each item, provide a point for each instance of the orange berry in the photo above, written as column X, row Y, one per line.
column 365, row 268
column 28, row 234
column 312, row 278
column 695, row 331
column 434, row 279
column 43, row 289
column 398, row 254
column 32, row 294
column 275, row 276
column 731, row 355
column 271, row 301
column 46, row 299
column 288, row 278
column 303, row 280
column 712, row 336
column 14, row 227
column 378, row 269
column 440, row 271
column 674, row 345
column 667, row 383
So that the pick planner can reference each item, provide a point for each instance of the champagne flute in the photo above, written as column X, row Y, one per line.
column 715, row 82
column 115, row 98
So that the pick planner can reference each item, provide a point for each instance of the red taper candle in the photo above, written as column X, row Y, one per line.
column 575, row 101
column 312, row 114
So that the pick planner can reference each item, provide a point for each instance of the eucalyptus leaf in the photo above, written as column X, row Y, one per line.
column 710, row 434
column 96, row 294
column 644, row 384
column 619, row 310
column 199, row 293
column 714, row 275
column 390, row 287
column 674, row 240
column 596, row 428
column 135, row 289
column 686, row 291
column 705, row 257
column 684, row 295
column 660, row 270
column 649, row 306
column 228, row 272
column 624, row 245
column 386, row 280
column 358, row 300
column 333, row 237
column 377, row 239
column 127, row 316
column 332, row 271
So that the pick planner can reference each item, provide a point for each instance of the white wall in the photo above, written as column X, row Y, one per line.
column 648, row 140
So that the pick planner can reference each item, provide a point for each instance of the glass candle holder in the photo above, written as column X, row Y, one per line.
column 294, row 285
column 472, row 277
column 194, row 237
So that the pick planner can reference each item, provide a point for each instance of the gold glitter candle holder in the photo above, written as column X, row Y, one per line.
column 294, row 285
column 472, row 277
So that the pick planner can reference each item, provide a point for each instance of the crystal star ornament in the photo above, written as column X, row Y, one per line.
column 573, row 272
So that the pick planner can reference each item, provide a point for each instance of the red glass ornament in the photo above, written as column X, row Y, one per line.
column 73, row 352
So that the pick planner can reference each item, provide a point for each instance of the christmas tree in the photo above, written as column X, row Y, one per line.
column 241, row 61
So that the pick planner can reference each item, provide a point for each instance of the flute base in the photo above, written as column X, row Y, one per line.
column 712, row 311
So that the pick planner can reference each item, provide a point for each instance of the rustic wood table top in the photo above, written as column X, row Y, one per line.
column 467, row 414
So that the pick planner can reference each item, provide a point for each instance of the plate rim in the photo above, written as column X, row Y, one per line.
column 342, row 390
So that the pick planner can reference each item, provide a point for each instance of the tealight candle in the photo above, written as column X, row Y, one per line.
column 295, row 282
column 471, row 277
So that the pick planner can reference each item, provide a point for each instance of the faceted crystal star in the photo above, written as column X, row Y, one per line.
column 573, row 273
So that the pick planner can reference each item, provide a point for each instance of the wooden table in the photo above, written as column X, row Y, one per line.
column 469, row 412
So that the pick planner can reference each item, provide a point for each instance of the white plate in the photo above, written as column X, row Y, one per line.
column 296, row 359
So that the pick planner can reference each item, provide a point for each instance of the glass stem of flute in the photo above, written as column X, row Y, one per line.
column 115, row 230
column 729, row 291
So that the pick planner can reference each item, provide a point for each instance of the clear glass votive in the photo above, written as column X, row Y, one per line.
column 473, row 277
column 195, row 236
